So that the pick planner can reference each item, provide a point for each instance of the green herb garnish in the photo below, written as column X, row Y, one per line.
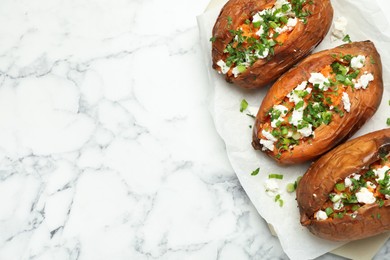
column 275, row 176
column 243, row 105
column 255, row 172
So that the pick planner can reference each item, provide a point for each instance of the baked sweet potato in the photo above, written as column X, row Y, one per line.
column 319, row 103
column 345, row 194
column 255, row 41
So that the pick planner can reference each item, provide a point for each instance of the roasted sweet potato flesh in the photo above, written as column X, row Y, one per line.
column 319, row 103
column 345, row 195
column 254, row 42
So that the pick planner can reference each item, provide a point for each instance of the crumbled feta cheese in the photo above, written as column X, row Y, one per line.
column 280, row 3
column 347, row 182
column 301, row 86
column 223, row 66
column 365, row 196
column 257, row 18
column 283, row 111
column 269, row 136
column 320, row 80
column 267, row 144
column 309, row 90
column 235, row 72
column 306, row 131
column 292, row 22
column 296, row 116
column 294, row 97
column 353, row 215
column 262, row 55
column 363, row 81
column 321, row 215
column 281, row 30
column 370, row 185
column 338, row 205
column 339, row 29
column 380, row 173
column 346, row 102
column 260, row 31
column 271, row 187
column 358, row 62
column 355, row 176
column 336, row 198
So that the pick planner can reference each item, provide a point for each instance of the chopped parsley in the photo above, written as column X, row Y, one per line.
column 347, row 38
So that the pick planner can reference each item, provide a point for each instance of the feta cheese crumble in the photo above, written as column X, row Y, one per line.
column 269, row 143
column 283, row 112
column 365, row 196
column 271, row 187
column 347, row 182
column 260, row 31
column 320, row 80
column 321, row 215
column 363, row 81
column 338, row 205
column 223, row 66
column 269, row 136
column 380, row 173
column 339, row 28
column 358, row 62
column 296, row 116
column 346, row 102
column 306, row 131
column 235, row 71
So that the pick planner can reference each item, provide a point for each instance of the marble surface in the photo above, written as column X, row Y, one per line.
column 107, row 147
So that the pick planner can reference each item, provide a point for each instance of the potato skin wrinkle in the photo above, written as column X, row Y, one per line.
column 364, row 102
column 350, row 157
column 299, row 43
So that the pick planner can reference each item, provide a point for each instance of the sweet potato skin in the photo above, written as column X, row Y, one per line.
column 320, row 178
column 302, row 40
column 364, row 102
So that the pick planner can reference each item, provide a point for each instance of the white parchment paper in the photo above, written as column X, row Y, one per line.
column 366, row 21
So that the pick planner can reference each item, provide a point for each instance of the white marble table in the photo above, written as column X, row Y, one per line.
column 107, row 148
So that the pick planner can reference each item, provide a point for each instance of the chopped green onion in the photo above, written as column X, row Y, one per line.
column 281, row 203
column 273, row 25
column 328, row 211
column 255, row 172
column 277, row 197
column 283, row 19
column 243, row 105
column 388, row 121
column 212, row 39
column 290, row 187
column 355, row 207
column 340, row 186
column 275, row 176
column 256, row 24
column 241, row 68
